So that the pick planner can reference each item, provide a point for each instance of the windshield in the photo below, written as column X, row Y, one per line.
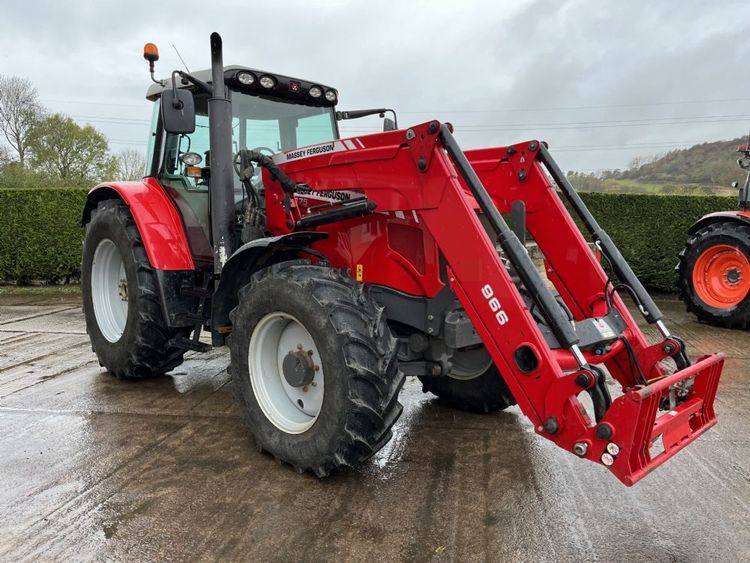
column 278, row 126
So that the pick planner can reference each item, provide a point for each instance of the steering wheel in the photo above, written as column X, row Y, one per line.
column 256, row 178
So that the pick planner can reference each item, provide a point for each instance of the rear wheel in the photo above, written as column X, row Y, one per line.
column 314, row 367
column 121, row 299
column 474, row 384
column 714, row 275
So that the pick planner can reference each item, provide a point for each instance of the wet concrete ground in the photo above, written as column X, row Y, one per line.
column 92, row 468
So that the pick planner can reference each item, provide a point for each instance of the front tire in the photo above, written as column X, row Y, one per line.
column 474, row 384
column 121, row 301
column 714, row 275
column 314, row 367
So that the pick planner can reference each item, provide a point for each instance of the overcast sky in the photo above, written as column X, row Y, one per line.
column 601, row 81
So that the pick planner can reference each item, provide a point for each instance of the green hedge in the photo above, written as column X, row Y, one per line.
column 40, row 236
column 650, row 230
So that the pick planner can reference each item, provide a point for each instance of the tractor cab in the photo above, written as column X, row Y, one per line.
column 270, row 113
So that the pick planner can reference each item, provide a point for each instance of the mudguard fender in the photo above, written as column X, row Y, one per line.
column 718, row 217
column 157, row 218
column 246, row 260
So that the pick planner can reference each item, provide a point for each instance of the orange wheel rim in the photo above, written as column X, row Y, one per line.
column 721, row 277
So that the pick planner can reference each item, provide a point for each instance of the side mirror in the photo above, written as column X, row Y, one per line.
column 178, row 111
column 389, row 124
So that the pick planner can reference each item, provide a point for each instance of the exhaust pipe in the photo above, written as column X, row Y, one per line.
column 221, row 197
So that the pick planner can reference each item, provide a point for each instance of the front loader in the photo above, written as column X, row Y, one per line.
column 335, row 267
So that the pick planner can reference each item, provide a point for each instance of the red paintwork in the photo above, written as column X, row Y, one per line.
column 434, row 207
column 158, row 221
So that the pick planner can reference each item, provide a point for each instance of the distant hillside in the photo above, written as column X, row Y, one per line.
column 708, row 168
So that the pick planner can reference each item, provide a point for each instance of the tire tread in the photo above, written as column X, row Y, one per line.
column 369, row 350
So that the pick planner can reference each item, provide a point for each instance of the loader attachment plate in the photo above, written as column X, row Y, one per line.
column 646, row 438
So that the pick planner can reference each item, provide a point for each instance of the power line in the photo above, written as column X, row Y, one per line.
column 621, row 148
column 506, row 126
column 105, row 119
column 560, row 148
column 615, row 121
column 608, row 106
column 583, row 127
column 83, row 101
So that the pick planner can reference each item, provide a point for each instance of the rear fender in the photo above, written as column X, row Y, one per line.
column 720, row 217
column 158, row 220
column 247, row 260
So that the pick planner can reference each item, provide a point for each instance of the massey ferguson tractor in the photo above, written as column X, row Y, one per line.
column 713, row 274
column 335, row 267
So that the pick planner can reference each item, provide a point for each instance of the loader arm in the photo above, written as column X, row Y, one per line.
column 630, row 439
column 427, row 175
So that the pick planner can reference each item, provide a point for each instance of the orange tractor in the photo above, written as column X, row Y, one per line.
column 714, row 268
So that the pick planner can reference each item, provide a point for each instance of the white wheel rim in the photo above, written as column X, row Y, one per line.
column 291, row 409
column 471, row 363
column 109, row 290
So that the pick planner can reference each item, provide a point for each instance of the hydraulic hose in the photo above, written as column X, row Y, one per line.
column 267, row 162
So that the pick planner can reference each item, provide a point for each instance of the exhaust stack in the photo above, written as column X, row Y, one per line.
column 221, row 198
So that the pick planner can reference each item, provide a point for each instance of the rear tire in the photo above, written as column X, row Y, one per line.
column 480, row 390
column 714, row 275
column 121, row 301
column 295, row 308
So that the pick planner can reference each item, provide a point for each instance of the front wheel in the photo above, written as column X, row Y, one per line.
column 314, row 367
column 714, row 275
column 474, row 383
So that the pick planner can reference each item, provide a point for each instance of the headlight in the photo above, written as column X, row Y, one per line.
column 191, row 158
column 316, row 91
column 330, row 95
column 267, row 81
column 245, row 78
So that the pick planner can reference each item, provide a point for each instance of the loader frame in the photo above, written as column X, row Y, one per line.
column 423, row 176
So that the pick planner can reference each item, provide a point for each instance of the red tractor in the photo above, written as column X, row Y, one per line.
column 714, row 267
column 334, row 267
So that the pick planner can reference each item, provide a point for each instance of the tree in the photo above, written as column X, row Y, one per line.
column 64, row 150
column 132, row 163
column 4, row 157
column 20, row 110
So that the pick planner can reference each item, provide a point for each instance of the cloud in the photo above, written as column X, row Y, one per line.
column 501, row 72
